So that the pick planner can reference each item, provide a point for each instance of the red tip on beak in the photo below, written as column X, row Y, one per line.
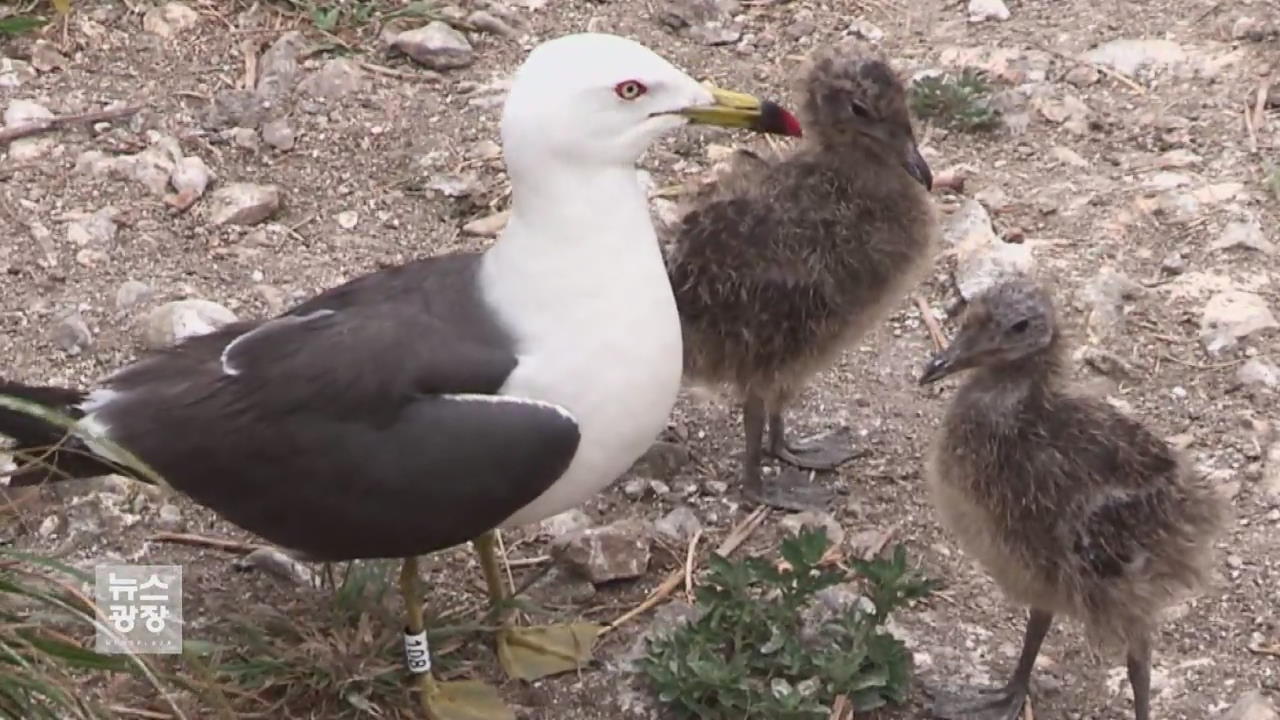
column 778, row 120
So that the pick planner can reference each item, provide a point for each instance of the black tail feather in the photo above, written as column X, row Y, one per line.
column 44, row 451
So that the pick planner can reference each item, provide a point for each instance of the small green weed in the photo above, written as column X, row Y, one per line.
column 750, row 654
column 957, row 102
column 1273, row 183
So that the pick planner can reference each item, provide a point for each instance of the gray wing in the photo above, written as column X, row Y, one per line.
column 354, row 431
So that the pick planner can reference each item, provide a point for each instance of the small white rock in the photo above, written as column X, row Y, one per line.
column 176, row 321
column 243, row 204
column 488, row 226
column 278, row 134
column 168, row 19
column 980, row 10
column 132, row 294
column 347, row 219
column 190, row 175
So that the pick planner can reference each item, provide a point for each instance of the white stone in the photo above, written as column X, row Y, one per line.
column 176, row 321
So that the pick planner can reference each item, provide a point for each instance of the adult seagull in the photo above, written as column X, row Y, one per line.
column 422, row 406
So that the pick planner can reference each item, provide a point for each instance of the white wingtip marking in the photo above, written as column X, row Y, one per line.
column 511, row 399
column 224, row 358
column 97, row 400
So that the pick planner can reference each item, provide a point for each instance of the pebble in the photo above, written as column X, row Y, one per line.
column 235, row 109
column 21, row 112
column 564, row 523
column 335, row 79
column 1174, row 263
column 347, row 219
column 1247, row 234
column 133, row 293
column 490, row 23
column 278, row 134
column 275, row 562
column 716, row 487
column 169, row 19
column 1104, row 296
column 278, row 66
column 488, row 226
column 15, row 73
column 243, row 204
column 46, row 58
column 190, row 176
column 680, row 525
column 178, row 320
column 1232, row 315
column 169, row 517
column 72, row 334
column 1128, row 55
column 98, row 228
column 437, row 46
column 155, row 165
column 981, row 10
column 1257, row 372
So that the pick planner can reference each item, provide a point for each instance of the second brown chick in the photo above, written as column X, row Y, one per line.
column 788, row 261
column 1074, row 508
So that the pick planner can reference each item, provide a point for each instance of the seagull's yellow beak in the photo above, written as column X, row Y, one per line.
column 740, row 110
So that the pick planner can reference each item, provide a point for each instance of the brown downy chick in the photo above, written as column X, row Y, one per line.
column 1072, row 507
column 791, row 260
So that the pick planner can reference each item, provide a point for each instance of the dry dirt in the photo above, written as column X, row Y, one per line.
column 1080, row 180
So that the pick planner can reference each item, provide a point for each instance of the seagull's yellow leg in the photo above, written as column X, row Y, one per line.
column 465, row 700
column 530, row 653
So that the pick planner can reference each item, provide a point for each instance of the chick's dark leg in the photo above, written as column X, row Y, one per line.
column 824, row 453
column 1003, row 703
column 786, row 492
column 1139, row 662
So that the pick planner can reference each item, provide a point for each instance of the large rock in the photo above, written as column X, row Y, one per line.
column 1232, row 315
column 437, row 46
column 618, row 551
column 982, row 258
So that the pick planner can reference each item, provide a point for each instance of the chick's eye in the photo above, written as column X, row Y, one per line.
column 1019, row 327
column 860, row 110
column 630, row 89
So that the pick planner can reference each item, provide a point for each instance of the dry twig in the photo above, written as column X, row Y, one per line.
column 231, row 546
column 35, row 127
column 930, row 322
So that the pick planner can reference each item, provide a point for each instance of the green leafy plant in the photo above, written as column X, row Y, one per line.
column 759, row 650
column 960, row 102
column 19, row 24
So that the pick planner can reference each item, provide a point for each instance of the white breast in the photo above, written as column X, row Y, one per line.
column 599, row 335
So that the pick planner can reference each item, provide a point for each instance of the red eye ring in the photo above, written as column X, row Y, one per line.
column 630, row 89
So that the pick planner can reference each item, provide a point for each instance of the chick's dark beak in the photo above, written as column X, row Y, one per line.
column 938, row 367
column 918, row 168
